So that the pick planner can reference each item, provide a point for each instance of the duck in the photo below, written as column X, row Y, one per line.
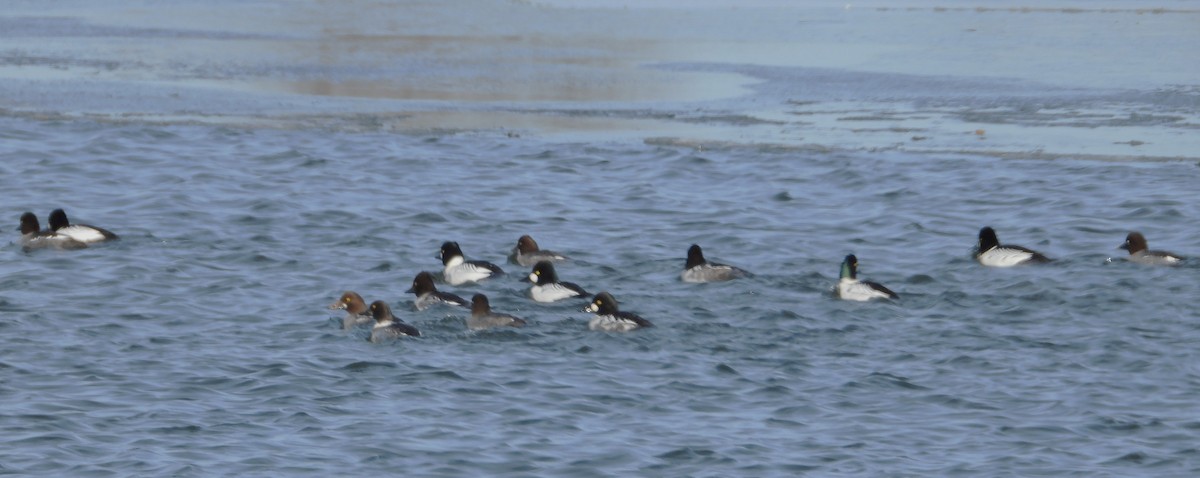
column 1135, row 243
column 526, row 253
column 32, row 237
column 459, row 271
column 356, row 310
column 850, row 288
column 387, row 326
column 428, row 295
column 482, row 316
column 80, row 232
column 609, row 319
column 547, row 287
column 697, row 269
column 992, row 254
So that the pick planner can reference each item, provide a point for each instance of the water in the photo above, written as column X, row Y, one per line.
column 200, row 345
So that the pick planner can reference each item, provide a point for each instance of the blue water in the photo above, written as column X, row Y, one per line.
column 258, row 161
column 199, row 344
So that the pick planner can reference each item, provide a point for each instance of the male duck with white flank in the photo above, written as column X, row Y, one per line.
column 850, row 288
column 80, row 232
column 609, row 319
column 459, row 271
column 992, row 254
column 547, row 287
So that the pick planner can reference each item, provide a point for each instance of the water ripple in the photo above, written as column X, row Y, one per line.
column 200, row 343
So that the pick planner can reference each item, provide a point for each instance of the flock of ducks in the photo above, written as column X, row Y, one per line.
column 546, row 286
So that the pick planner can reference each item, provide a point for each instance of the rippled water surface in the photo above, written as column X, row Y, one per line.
column 200, row 344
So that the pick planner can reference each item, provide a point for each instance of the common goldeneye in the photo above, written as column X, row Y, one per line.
column 459, row 271
column 609, row 319
column 355, row 307
column 546, row 286
column 991, row 253
column 428, row 295
column 699, row 270
column 482, row 316
column 526, row 253
column 850, row 288
column 388, row 327
column 1135, row 243
column 80, row 232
